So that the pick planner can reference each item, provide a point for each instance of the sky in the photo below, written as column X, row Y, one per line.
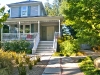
column 4, row 2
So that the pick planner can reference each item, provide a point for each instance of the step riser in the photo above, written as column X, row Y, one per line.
column 45, row 47
column 45, row 52
column 45, row 42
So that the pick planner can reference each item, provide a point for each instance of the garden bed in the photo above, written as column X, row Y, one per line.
column 13, row 63
column 87, row 66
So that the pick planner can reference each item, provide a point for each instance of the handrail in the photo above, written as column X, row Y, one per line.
column 36, row 42
column 56, row 35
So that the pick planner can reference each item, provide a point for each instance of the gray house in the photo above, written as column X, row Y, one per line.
column 28, row 21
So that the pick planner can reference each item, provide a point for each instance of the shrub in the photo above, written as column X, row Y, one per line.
column 56, row 54
column 68, row 47
column 87, row 66
column 27, row 59
column 5, row 61
column 34, row 62
column 22, row 70
column 30, row 65
column 38, row 58
column 80, row 53
column 18, row 46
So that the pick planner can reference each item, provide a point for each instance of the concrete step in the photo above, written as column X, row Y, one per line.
column 43, row 49
column 43, row 53
column 46, row 42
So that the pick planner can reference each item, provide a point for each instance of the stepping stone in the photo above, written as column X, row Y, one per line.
column 70, row 65
column 52, row 70
column 53, row 65
column 51, row 74
column 67, row 60
column 72, row 71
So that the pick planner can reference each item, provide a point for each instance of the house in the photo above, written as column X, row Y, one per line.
column 28, row 21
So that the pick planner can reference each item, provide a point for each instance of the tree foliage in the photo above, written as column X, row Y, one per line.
column 3, row 17
column 52, row 9
column 83, row 16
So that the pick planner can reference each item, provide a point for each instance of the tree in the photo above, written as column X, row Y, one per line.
column 55, row 7
column 83, row 16
column 52, row 9
column 47, row 7
column 3, row 18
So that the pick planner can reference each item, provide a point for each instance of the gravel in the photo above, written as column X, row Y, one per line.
column 37, row 69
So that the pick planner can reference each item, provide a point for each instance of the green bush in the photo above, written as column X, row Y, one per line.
column 87, row 66
column 18, row 46
column 68, row 47
column 30, row 65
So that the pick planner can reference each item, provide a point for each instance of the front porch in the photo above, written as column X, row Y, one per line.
column 32, row 29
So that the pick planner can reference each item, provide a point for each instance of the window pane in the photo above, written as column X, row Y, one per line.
column 27, row 28
column 21, row 28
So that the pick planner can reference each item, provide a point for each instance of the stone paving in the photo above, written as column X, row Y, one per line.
column 62, row 66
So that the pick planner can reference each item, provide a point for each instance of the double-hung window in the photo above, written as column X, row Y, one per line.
column 24, row 11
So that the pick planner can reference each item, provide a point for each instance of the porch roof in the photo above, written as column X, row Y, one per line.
column 35, row 19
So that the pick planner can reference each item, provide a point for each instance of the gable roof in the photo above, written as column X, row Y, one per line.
column 24, row 2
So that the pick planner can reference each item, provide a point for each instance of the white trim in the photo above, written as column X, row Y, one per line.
column 30, row 28
column 59, row 27
column 10, row 12
column 38, row 10
column 38, row 26
column 1, row 34
column 17, row 5
column 19, row 30
column 23, row 28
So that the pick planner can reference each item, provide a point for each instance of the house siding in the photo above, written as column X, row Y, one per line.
column 34, row 11
column 14, row 12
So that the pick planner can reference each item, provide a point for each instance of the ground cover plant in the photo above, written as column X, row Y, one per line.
column 87, row 66
column 9, row 61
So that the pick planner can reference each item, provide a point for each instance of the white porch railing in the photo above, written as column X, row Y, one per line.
column 56, row 35
column 31, row 37
column 17, row 36
column 9, row 36
column 36, row 42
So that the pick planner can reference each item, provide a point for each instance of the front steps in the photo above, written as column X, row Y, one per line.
column 45, row 48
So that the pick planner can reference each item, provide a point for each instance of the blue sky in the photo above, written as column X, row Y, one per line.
column 4, row 2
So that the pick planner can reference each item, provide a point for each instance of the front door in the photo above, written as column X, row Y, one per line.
column 50, row 33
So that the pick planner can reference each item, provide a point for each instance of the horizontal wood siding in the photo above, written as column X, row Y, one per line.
column 34, row 10
column 15, row 12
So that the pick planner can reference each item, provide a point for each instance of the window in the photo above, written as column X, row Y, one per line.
column 27, row 28
column 24, row 11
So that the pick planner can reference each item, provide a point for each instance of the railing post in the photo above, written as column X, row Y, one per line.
column 1, row 33
column 19, row 30
column 59, row 28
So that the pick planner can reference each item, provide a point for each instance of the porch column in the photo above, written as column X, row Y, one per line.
column 19, row 30
column 38, row 26
column 23, row 28
column 1, row 33
column 59, row 28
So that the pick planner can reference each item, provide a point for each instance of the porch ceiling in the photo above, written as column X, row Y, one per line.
column 34, row 19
